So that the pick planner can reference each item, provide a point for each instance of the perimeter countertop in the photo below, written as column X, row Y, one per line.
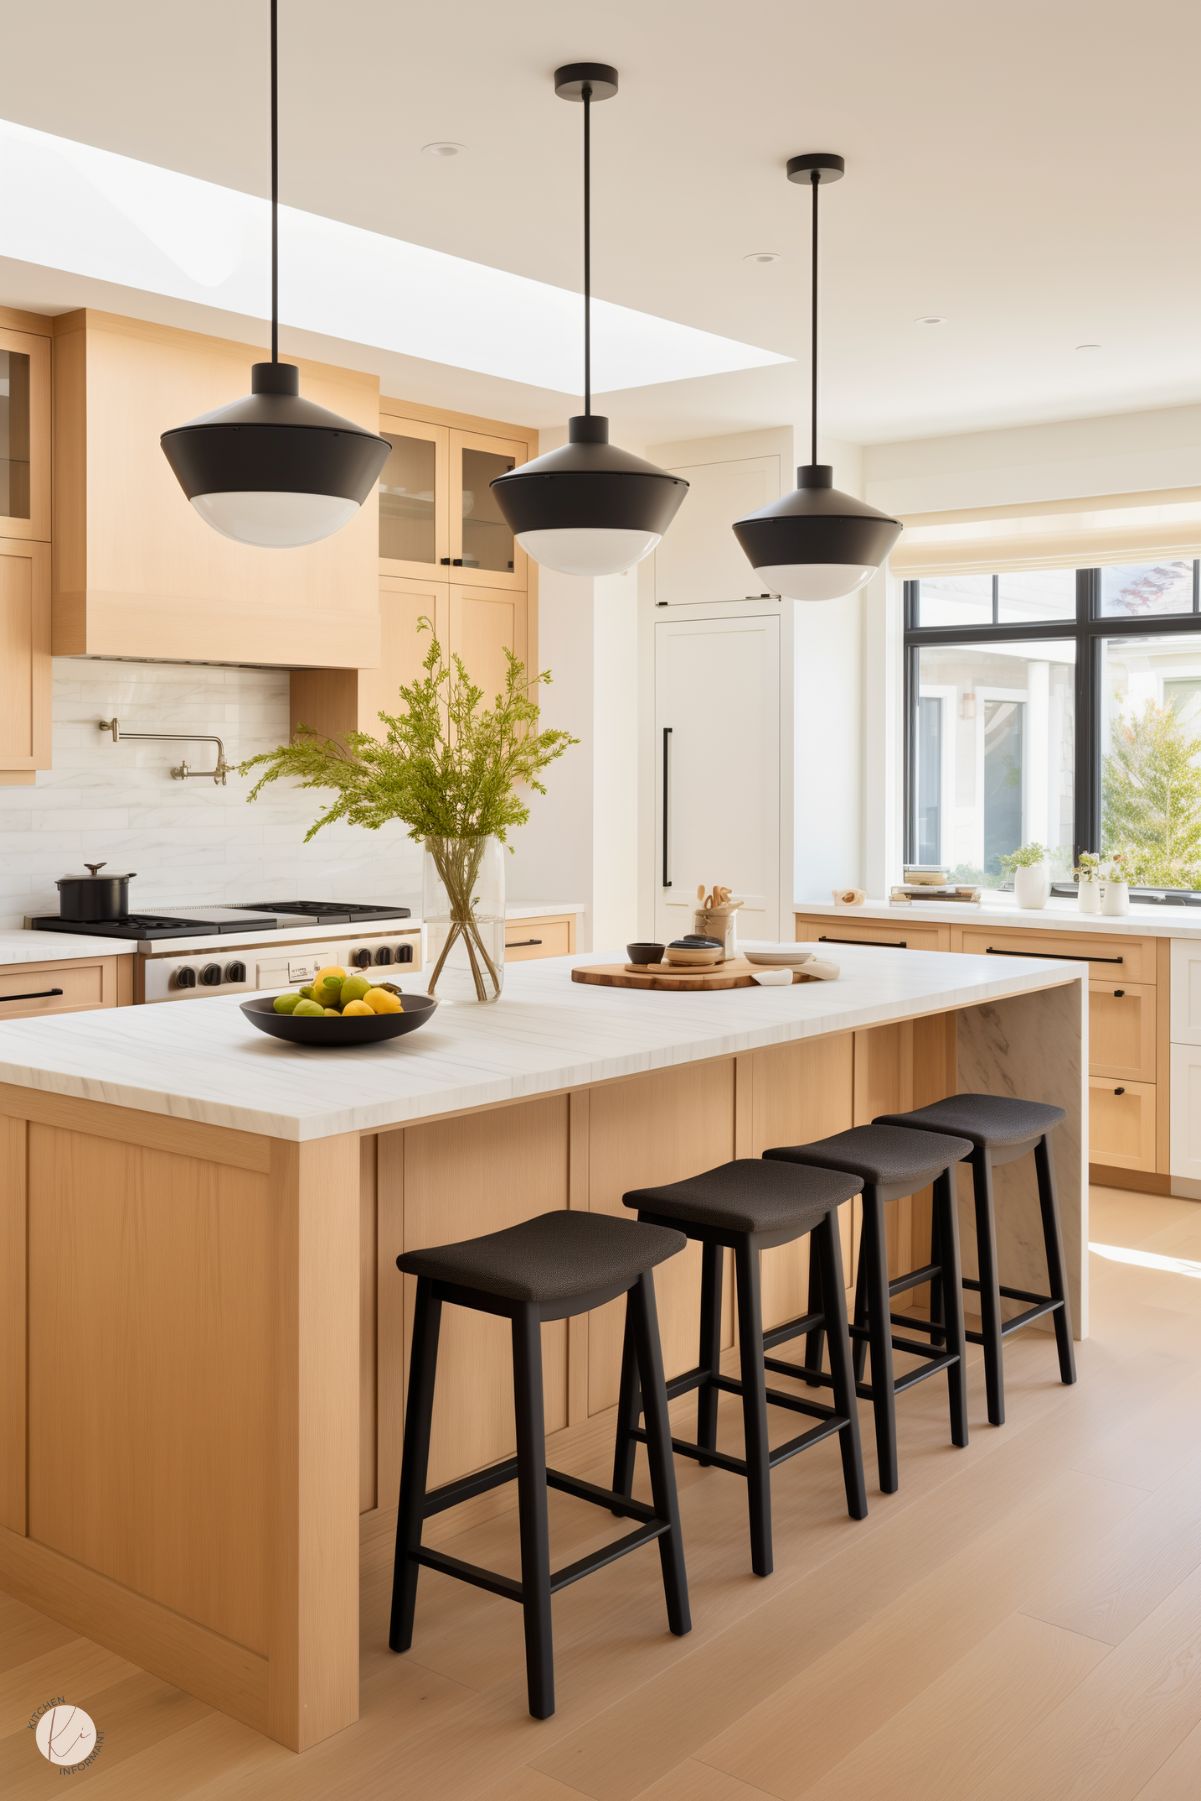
column 547, row 1033
column 1057, row 916
column 18, row 946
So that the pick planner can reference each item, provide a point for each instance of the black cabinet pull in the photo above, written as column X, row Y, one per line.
column 992, row 950
column 38, row 994
column 1118, row 993
column 666, row 800
column 888, row 944
column 445, row 562
column 521, row 944
column 1119, row 1091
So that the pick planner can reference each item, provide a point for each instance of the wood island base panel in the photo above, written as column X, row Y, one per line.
column 203, row 1331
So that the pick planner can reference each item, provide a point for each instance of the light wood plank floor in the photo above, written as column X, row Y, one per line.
column 1022, row 1619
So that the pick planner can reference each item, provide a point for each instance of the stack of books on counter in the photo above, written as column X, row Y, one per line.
column 904, row 894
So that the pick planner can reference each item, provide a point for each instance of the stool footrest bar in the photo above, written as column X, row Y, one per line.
column 507, row 1586
column 1008, row 1294
column 914, row 1279
column 600, row 1497
column 814, row 1436
column 597, row 1560
column 792, row 1328
column 467, row 1487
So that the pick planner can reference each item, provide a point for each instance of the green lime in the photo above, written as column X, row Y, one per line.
column 308, row 1010
column 287, row 1003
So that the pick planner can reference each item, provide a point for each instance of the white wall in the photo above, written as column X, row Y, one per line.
column 191, row 843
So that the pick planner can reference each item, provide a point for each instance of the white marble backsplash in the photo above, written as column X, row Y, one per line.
column 191, row 843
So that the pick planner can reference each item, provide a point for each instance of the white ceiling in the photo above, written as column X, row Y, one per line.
column 1032, row 171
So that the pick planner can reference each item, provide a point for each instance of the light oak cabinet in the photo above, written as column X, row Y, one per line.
column 25, row 434
column 906, row 937
column 137, row 572
column 33, row 990
column 437, row 512
column 1122, row 1123
column 1121, row 1030
column 528, row 939
column 25, row 669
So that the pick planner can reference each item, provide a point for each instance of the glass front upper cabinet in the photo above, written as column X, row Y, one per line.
column 483, row 550
column 413, row 498
column 24, row 436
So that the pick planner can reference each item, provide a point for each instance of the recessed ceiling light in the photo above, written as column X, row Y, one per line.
column 762, row 256
column 444, row 147
column 930, row 319
column 1088, row 347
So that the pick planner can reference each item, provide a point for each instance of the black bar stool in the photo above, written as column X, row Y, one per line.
column 1002, row 1129
column 892, row 1162
column 552, row 1267
column 745, row 1207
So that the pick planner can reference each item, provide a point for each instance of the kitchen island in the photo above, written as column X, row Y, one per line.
column 202, row 1330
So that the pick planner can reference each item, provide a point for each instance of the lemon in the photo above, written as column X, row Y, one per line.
column 286, row 1003
column 307, row 1010
column 331, row 972
column 332, row 1010
column 356, row 1009
column 354, row 988
column 380, row 1001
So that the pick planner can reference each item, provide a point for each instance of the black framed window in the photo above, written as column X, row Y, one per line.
column 1062, row 706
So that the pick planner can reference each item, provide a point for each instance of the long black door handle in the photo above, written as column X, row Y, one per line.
column 520, row 944
column 39, row 994
column 888, row 944
column 666, row 801
column 1054, row 956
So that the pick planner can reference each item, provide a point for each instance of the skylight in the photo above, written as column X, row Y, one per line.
column 71, row 206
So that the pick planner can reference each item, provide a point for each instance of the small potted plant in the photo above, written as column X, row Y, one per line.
column 1089, row 873
column 1117, row 875
column 1031, row 875
column 455, row 772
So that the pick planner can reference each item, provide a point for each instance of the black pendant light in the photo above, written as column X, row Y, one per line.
column 816, row 543
column 274, row 469
column 588, row 508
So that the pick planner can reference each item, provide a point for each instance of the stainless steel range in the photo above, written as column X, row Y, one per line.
column 202, row 951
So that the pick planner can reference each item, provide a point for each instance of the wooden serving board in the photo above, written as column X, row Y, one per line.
column 734, row 973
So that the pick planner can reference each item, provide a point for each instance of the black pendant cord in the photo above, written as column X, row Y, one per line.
column 815, row 181
column 587, row 97
column 274, row 182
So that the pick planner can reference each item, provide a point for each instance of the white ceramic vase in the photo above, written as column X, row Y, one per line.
column 1032, row 886
column 1088, row 897
column 1116, row 899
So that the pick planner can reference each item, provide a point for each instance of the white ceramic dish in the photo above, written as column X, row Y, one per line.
column 787, row 956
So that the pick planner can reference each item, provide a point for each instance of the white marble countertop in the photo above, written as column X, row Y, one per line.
column 546, row 1033
column 1057, row 915
column 17, row 946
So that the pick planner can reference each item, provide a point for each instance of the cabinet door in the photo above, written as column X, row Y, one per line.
column 1121, row 1030
column 1186, row 992
column 700, row 558
column 24, row 656
column 402, row 604
column 717, row 778
column 483, row 551
column 414, row 508
column 483, row 621
column 1121, row 1123
column 1185, row 1114
column 24, row 436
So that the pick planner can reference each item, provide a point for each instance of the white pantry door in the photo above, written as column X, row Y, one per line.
column 717, row 786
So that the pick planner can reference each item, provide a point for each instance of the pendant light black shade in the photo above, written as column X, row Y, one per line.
column 816, row 543
column 588, row 508
column 273, row 469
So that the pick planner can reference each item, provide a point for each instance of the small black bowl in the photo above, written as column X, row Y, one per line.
column 695, row 941
column 644, row 953
column 328, row 1033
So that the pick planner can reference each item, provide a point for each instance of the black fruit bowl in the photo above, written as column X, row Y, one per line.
column 328, row 1033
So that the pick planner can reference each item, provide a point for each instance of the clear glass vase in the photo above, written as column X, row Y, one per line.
column 464, row 911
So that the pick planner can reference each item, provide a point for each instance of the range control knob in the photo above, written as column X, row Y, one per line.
column 185, row 978
column 235, row 972
column 384, row 954
column 363, row 958
column 210, row 975
column 404, row 953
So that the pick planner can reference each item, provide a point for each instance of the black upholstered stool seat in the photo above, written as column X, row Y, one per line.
column 746, row 1207
column 553, row 1258
column 1002, row 1129
column 987, row 1119
column 883, row 1154
column 749, row 1196
column 554, row 1266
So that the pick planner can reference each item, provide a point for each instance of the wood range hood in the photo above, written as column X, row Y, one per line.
column 136, row 571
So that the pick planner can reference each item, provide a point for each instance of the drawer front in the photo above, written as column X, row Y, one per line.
column 29, row 991
column 528, row 938
column 912, row 937
column 1128, row 959
column 1121, row 1030
column 1121, row 1123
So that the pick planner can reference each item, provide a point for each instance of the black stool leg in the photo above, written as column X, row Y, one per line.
column 860, row 1342
column 658, row 1450
column 628, row 1408
column 873, row 1284
column 423, row 1360
column 710, row 1348
column 1049, row 1207
column 937, row 1335
column 825, row 1251
column 990, row 1291
column 815, row 1339
column 952, row 1301
column 754, row 1405
column 531, row 1509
